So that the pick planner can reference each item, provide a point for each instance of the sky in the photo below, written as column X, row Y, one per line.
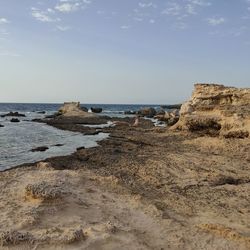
column 121, row 51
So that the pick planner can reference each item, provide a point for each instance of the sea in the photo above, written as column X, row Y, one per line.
column 18, row 139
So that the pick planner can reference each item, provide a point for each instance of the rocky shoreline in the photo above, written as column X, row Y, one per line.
column 144, row 187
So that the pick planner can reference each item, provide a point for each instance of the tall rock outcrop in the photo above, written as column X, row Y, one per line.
column 73, row 109
column 217, row 110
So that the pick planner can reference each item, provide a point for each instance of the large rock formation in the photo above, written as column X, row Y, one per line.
column 74, row 109
column 217, row 110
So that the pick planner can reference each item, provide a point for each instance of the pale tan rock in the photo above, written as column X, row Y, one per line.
column 218, row 109
column 74, row 109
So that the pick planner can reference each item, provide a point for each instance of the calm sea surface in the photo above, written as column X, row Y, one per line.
column 17, row 139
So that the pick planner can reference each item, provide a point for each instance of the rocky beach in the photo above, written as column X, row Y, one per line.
column 183, row 185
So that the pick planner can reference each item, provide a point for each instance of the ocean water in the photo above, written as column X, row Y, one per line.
column 17, row 139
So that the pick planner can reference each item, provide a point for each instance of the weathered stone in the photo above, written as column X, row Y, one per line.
column 74, row 109
column 214, row 107
column 148, row 112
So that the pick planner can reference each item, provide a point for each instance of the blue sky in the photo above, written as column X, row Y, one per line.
column 120, row 51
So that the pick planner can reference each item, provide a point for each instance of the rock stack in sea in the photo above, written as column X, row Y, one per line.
column 217, row 110
column 74, row 109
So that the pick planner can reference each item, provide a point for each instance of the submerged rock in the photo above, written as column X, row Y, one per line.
column 14, row 114
column 218, row 110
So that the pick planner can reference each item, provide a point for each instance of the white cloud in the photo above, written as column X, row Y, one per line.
column 152, row 21
column 200, row 2
column 147, row 5
column 4, row 21
column 63, row 28
column 125, row 27
column 67, row 7
column 216, row 21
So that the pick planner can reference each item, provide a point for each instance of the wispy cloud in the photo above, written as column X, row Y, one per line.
column 43, row 16
column 173, row 9
column 147, row 5
column 216, row 21
column 125, row 27
column 63, row 28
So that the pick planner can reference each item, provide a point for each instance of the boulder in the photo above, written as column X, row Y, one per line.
column 14, row 120
column 170, row 118
column 41, row 112
column 217, row 110
column 148, row 112
column 1, row 126
column 96, row 110
column 84, row 109
column 14, row 114
column 73, row 109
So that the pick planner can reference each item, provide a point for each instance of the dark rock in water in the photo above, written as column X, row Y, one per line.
column 1, row 126
column 148, row 112
column 14, row 114
column 96, row 110
column 59, row 145
column 175, row 106
column 14, row 120
column 129, row 112
column 39, row 149
column 80, row 148
column 41, row 112
column 84, row 109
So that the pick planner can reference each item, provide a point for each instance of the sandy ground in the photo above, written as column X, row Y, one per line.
column 143, row 188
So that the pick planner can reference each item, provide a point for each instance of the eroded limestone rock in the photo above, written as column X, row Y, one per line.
column 216, row 109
